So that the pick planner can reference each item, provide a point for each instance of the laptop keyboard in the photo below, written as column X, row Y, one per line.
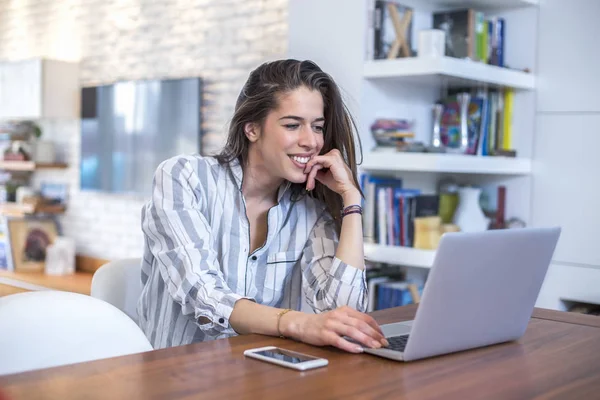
column 397, row 343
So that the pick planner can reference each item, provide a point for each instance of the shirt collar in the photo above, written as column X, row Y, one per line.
column 238, row 176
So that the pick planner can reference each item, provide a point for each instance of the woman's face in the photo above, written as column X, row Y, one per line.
column 290, row 135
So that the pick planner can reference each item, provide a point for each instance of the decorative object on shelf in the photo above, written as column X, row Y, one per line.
column 458, row 33
column 44, row 152
column 392, row 30
column 60, row 257
column 436, row 138
column 428, row 231
column 431, row 43
column 515, row 223
column 412, row 147
column 20, row 130
column 22, row 193
column 469, row 216
column 29, row 238
column 450, row 228
column 448, row 190
column 390, row 132
column 17, row 152
column 498, row 221
column 463, row 101
column 54, row 193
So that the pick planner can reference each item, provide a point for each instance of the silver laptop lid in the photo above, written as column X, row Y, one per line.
column 481, row 289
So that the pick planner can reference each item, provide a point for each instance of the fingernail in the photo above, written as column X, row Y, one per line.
column 375, row 344
column 359, row 349
column 385, row 343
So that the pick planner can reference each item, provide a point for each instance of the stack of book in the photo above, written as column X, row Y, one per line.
column 390, row 210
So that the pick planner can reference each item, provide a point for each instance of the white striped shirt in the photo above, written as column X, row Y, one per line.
column 196, row 262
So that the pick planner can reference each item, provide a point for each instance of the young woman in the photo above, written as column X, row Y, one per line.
column 236, row 243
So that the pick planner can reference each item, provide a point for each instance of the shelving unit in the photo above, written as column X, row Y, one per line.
column 29, row 165
column 484, row 5
column 405, row 256
column 449, row 71
column 408, row 87
column 444, row 163
column 19, row 210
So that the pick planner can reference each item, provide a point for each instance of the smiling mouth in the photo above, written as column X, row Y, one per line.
column 301, row 160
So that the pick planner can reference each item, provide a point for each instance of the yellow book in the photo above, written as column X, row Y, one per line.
column 509, row 96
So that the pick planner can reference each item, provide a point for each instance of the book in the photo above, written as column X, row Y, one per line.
column 509, row 96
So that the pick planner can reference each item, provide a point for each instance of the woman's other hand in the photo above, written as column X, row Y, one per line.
column 330, row 328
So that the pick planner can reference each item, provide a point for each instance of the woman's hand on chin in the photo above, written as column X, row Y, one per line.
column 331, row 170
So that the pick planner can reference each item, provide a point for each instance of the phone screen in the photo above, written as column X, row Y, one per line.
column 286, row 355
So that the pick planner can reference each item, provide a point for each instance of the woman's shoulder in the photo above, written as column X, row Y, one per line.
column 183, row 161
column 192, row 166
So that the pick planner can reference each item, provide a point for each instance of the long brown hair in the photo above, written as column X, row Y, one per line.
column 260, row 95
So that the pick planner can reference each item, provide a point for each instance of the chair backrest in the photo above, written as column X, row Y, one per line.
column 119, row 283
column 51, row 328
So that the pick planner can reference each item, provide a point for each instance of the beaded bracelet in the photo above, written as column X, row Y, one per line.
column 353, row 209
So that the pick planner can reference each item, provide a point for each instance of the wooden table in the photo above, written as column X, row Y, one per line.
column 558, row 357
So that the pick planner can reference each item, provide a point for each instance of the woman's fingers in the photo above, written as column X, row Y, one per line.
column 310, row 180
column 363, row 317
column 368, row 330
column 326, row 160
column 334, row 339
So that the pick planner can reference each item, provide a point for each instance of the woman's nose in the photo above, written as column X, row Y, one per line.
column 308, row 138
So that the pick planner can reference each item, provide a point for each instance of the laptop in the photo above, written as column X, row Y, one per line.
column 481, row 291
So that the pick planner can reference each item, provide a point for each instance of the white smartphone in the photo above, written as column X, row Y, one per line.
column 286, row 358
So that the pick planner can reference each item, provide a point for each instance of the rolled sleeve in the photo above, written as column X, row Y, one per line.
column 328, row 282
column 180, row 240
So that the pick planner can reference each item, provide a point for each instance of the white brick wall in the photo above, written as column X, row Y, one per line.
column 218, row 40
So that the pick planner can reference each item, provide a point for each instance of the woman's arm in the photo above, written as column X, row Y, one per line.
column 179, row 238
column 317, row 329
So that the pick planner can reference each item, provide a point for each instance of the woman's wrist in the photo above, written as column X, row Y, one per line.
column 290, row 324
column 351, row 197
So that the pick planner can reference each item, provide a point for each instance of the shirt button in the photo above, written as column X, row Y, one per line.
column 221, row 320
column 254, row 258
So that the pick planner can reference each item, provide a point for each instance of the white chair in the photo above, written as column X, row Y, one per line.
column 120, row 284
column 51, row 328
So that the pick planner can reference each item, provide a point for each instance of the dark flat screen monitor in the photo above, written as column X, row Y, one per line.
column 129, row 128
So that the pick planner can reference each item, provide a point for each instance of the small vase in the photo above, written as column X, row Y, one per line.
column 468, row 216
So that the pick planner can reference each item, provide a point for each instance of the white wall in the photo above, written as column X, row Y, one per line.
column 566, row 182
column 218, row 40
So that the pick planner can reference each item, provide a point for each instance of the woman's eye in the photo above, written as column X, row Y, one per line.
column 318, row 129
column 291, row 126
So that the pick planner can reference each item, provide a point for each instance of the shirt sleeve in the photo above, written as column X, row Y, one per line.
column 180, row 239
column 328, row 282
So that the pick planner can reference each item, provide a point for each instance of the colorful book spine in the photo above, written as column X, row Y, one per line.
column 509, row 96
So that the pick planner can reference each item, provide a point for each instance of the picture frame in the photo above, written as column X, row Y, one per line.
column 29, row 239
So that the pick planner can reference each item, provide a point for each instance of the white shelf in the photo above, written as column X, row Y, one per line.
column 484, row 4
column 406, row 256
column 447, row 70
column 385, row 160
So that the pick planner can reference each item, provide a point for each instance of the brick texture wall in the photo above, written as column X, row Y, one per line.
column 218, row 40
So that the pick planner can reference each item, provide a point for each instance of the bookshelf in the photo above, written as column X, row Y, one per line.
column 450, row 71
column 405, row 256
column 29, row 165
column 408, row 87
column 386, row 161
column 483, row 4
